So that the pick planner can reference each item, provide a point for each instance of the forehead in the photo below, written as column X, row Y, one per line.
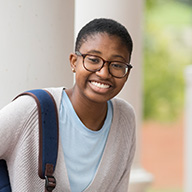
column 104, row 42
column 100, row 36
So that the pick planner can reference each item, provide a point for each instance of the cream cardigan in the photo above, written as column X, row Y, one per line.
column 19, row 146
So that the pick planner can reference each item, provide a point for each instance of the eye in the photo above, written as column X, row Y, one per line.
column 93, row 59
column 118, row 66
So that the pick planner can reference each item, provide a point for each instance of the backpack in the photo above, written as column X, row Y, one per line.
column 48, row 141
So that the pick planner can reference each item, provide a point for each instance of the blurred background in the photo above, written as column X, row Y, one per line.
column 167, row 50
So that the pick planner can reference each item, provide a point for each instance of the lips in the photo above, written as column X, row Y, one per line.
column 100, row 85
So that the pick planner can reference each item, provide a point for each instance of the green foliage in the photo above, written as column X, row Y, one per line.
column 166, row 53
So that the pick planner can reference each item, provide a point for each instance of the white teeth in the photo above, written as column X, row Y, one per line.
column 100, row 85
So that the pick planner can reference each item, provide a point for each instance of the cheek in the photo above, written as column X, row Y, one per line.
column 119, row 85
column 79, row 70
column 81, row 74
column 121, row 82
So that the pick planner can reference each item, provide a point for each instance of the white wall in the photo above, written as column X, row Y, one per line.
column 36, row 38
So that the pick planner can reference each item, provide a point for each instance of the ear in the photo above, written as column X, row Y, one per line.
column 73, row 61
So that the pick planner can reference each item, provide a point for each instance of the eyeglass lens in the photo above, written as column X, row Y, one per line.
column 95, row 63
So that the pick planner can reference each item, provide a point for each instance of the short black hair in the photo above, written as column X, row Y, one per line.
column 103, row 25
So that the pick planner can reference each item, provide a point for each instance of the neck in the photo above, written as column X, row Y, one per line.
column 91, row 114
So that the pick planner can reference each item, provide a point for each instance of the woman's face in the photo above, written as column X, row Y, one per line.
column 99, row 86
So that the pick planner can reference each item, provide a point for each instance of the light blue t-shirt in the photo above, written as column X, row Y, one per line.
column 82, row 147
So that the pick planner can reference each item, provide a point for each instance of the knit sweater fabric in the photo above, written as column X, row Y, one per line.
column 19, row 146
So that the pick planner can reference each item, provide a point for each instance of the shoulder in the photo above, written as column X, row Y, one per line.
column 15, row 118
column 56, row 92
column 124, row 118
column 24, row 104
column 19, row 105
column 123, row 107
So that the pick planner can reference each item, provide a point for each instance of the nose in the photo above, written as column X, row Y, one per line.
column 104, row 71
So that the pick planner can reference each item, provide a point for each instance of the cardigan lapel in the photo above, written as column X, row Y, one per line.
column 61, row 171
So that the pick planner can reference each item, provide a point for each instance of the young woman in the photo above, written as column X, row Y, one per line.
column 97, row 131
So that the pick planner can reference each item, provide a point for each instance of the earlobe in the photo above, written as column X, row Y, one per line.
column 73, row 60
column 73, row 70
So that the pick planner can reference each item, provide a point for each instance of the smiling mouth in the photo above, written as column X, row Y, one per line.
column 100, row 85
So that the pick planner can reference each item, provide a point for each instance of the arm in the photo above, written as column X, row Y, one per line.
column 12, row 120
column 124, row 181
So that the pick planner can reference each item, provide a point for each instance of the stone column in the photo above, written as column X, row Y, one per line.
column 36, row 39
column 130, row 14
column 188, row 132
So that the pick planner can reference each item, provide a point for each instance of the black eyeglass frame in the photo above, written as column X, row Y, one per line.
column 104, row 61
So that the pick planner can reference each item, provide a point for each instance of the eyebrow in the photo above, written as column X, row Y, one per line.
column 98, row 52
column 94, row 52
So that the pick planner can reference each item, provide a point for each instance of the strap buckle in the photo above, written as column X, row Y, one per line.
column 50, row 183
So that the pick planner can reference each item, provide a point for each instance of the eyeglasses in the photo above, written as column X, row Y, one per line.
column 95, row 63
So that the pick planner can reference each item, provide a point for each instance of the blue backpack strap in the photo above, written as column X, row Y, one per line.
column 4, row 177
column 48, row 135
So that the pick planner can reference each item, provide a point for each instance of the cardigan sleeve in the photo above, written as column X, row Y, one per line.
column 13, row 119
column 124, row 181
